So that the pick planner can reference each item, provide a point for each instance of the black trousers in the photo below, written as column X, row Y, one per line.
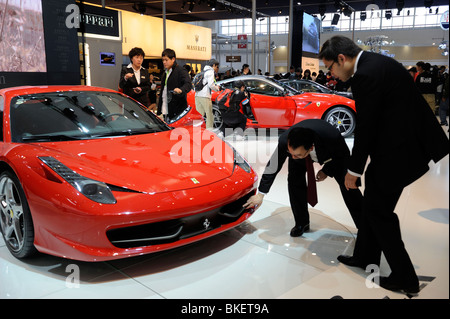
column 380, row 232
column 297, row 188
column 233, row 120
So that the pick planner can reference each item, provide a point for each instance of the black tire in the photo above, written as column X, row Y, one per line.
column 342, row 118
column 16, row 224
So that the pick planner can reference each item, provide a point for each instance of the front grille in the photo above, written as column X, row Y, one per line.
column 170, row 231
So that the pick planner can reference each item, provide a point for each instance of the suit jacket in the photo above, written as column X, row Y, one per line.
column 131, row 83
column 331, row 150
column 395, row 127
column 179, row 78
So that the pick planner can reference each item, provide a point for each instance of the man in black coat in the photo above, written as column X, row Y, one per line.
column 321, row 142
column 175, row 85
column 397, row 130
column 134, row 79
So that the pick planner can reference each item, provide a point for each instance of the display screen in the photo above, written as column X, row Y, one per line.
column 22, row 45
column 107, row 58
column 311, row 34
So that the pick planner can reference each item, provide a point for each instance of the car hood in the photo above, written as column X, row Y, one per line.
column 150, row 163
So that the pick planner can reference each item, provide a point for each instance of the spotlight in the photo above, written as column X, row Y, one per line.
column 337, row 4
column 191, row 6
column 213, row 4
column 335, row 19
column 400, row 4
column 322, row 9
column 347, row 11
column 388, row 14
column 140, row 7
column 363, row 15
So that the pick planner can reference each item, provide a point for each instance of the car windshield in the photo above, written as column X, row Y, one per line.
column 285, row 86
column 74, row 115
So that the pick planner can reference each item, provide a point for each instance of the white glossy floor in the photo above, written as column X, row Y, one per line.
column 258, row 260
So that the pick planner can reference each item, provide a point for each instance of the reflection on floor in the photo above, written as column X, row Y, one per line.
column 258, row 259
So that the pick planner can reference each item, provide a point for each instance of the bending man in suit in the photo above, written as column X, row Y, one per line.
column 134, row 79
column 396, row 128
column 321, row 142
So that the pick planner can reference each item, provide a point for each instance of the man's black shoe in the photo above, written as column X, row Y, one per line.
column 351, row 261
column 387, row 283
column 297, row 231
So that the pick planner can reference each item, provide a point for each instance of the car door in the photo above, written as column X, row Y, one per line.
column 270, row 105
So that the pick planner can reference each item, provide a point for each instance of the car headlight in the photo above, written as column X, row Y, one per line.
column 240, row 161
column 94, row 190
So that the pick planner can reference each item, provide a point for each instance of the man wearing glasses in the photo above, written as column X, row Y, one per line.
column 310, row 140
column 397, row 130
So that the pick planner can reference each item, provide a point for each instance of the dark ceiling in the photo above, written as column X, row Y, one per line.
column 178, row 10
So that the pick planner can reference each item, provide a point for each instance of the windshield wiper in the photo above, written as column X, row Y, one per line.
column 127, row 132
column 47, row 138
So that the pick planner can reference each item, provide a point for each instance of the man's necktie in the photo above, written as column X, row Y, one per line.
column 312, row 189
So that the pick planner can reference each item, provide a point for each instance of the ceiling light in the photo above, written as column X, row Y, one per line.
column 347, row 11
column 400, row 4
column 335, row 19
column 191, row 6
column 363, row 15
column 213, row 4
column 442, row 45
column 388, row 14
column 140, row 7
column 322, row 9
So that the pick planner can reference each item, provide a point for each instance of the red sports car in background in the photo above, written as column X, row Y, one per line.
column 275, row 104
column 89, row 174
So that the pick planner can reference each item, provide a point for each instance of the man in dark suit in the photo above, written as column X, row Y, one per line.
column 175, row 85
column 134, row 79
column 396, row 128
column 315, row 140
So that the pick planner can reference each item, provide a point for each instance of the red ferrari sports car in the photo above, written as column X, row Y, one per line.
column 89, row 174
column 275, row 104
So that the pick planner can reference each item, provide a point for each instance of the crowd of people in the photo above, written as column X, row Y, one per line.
column 137, row 82
column 432, row 82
